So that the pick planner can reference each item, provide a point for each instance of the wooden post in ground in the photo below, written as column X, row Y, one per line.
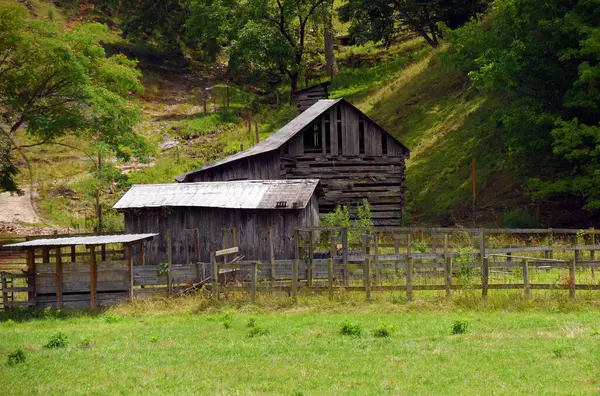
column 93, row 277
column 253, row 281
column 311, row 253
column 409, row 275
column 551, row 242
column 272, row 255
column 295, row 281
column 485, row 276
column 4, row 292
column 572, row 282
column 376, row 243
column 129, row 249
column 367, row 278
column 448, row 273
column 59, row 279
column 332, row 248
column 330, row 277
column 345, row 254
column 481, row 245
column 170, row 261
column 396, row 253
column 215, row 275
column 31, row 271
column 526, row 278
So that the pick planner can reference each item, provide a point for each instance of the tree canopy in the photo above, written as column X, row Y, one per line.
column 57, row 81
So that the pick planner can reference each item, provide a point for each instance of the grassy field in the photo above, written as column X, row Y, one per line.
column 190, row 346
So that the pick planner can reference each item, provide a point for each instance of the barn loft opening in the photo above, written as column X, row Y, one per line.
column 312, row 139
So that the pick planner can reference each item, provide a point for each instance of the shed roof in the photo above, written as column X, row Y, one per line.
column 243, row 194
column 279, row 138
column 84, row 240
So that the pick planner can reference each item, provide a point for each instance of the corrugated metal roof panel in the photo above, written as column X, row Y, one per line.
column 84, row 240
column 243, row 194
column 277, row 139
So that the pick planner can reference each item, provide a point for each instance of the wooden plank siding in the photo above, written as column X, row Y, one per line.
column 210, row 222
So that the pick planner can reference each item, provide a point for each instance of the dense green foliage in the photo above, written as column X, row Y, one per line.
column 57, row 81
column 543, row 57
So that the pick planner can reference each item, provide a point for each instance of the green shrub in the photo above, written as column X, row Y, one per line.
column 15, row 357
column 519, row 218
column 58, row 340
column 257, row 331
column 383, row 331
column 460, row 327
column 351, row 329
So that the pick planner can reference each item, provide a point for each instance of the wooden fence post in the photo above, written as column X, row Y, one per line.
column 295, row 281
column 345, row 255
column 396, row 253
column 330, row 277
column 485, row 276
column 215, row 275
column 481, row 245
column 551, row 242
column 4, row 292
column 59, row 279
column 170, row 261
column 572, row 282
column 130, row 270
column 526, row 278
column 376, row 243
column 332, row 247
column 253, row 286
column 93, row 277
column 448, row 273
column 409, row 275
column 367, row 277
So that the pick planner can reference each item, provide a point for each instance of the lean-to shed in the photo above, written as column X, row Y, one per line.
column 333, row 141
column 252, row 207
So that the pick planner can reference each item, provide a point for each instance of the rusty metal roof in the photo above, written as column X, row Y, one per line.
column 84, row 240
column 243, row 194
column 277, row 139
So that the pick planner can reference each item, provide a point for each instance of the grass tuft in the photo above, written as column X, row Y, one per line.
column 16, row 357
column 58, row 340
column 351, row 329
column 460, row 327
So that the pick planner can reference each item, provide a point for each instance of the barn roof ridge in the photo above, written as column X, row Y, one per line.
column 239, row 194
column 282, row 136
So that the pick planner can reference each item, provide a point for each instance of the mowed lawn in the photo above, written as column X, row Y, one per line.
column 302, row 351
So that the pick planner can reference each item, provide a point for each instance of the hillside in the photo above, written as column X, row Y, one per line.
column 408, row 88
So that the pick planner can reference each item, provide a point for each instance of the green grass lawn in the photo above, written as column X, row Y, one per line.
column 189, row 346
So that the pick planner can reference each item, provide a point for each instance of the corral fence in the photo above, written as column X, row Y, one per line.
column 329, row 260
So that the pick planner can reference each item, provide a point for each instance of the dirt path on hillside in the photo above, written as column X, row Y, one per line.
column 15, row 208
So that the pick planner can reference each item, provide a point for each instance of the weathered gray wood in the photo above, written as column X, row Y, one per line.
column 253, row 281
column 448, row 275
column 409, row 277
column 130, row 270
column 345, row 248
column 367, row 278
column 224, row 252
column 572, row 281
column 215, row 276
column 93, row 278
column 485, row 276
column 169, row 260
column 295, row 281
column 526, row 288
column 330, row 277
column 59, row 279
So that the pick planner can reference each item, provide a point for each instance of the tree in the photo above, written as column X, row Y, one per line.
column 382, row 20
column 58, row 81
column 278, row 36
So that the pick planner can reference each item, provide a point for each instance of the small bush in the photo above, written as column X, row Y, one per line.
column 351, row 329
column 111, row 317
column 383, row 331
column 16, row 357
column 460, row 327
column 58, row 340
column 257, row 332
column 519, row 218
column 251, row 322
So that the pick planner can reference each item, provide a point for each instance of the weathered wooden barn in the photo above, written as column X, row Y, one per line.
column 304, row 98
column 333, row 141
column 254, row 208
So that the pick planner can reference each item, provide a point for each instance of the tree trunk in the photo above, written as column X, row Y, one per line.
column 331, row 65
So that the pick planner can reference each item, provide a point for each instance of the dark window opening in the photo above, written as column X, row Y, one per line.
column 361, row 136
column 384, row 144
column 312, row 139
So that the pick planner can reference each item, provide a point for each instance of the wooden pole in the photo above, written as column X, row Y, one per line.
column 332, row 247
column 526, row 278
column 485, row 276
column 572, row 281
column 215, row 275
column 130, row 270
column 169, row 261
column 73, row 254
column 345, row 254
column 448, row 273
column 481, row 245
column 295, row 281
column 253, row 284
column 409, row 275
column 376, row 243
column 367, row 278
column 59, row 279
column 4, row 292
column 330, row 277
column 93, row 278
column 396, row 253
column 31, row 270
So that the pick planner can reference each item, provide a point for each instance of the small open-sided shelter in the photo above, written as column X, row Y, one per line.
column 254, row 208
column 334, row 142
